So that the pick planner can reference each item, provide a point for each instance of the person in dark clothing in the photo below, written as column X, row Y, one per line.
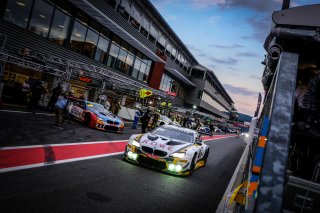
column 145, row 120
column 54, row 97
column 37, row 90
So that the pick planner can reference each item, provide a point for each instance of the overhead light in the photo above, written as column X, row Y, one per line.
column 61, row 26
column 77, row 34
column 42, row 16
column 150, row 102
column 45, row 29
column 21, row 4
column 194, row 107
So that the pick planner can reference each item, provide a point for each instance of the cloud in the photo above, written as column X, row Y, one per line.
column 191, row 47
column 234, row 46
column 202, row 55
column 265, row 7
column 208, row 3
column 228, row 61
column 239, row 90
column 247, row 54
column 213, row 19
column 255, row 76
column 171, row 17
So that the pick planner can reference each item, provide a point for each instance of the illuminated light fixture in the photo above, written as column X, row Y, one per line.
column 45, row 29
column 77, row 34
column 134, row 156
column 178, row 168
column 150, row 102
column 21, row 4
column 194, row 107
column 171, row 167
column 178, row 155
column 42, row 16
column 136, row 143
column 61, row 26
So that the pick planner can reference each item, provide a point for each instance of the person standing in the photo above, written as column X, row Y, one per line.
column 59, row 110
column 25, row 91
column 54, row 97
column 144, row 121
column 137, row 116
column 37, row 90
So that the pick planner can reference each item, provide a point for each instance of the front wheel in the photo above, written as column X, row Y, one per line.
column 205, row 157
column 87, row 120
column 193, row 164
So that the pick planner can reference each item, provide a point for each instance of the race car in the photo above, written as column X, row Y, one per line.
column 95, row 116
column 164, row 120
column 168, row 148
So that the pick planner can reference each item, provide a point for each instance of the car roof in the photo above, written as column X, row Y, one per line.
column 179, row 128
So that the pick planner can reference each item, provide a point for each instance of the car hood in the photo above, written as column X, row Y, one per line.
column 158, row 142
column 107, row 117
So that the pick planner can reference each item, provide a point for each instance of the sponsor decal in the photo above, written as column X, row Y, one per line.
column 155, row 144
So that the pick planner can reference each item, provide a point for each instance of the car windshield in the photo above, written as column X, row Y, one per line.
column 165, row 118
column 174, row 134
column 98, row 107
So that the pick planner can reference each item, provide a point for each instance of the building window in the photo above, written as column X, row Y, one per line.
column 78, row 36
column 128, row 63
column 59, row 27
column 136, row 68
column 101, row 49
column 124, row 9
column 135, row 14
column 90, row 43
column 111, row 3
column 113, row 55
column 199, row 95
column 17, row 12
column 142, row 71
column 41, row 18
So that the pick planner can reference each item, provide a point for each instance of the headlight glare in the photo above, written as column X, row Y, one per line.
column 178, row 155
column 135, row 143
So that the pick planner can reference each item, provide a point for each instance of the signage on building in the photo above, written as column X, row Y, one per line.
column 145, row 93
column 171, row 93
column 85, row 79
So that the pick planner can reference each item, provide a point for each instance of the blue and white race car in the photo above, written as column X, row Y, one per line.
column 168, row 148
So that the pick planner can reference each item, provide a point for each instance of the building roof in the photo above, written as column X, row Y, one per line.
column 103, row 19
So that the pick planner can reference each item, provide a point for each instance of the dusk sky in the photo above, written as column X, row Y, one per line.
column 227, row 37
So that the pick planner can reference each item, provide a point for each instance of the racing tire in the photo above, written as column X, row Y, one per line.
column 193, row 164
column 205, row 157
column 87, row 120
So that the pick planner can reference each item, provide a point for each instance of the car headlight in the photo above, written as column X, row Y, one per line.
column 135, row 143
column 178, row 155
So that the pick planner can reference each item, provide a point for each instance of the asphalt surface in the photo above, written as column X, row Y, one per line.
column 24, row 128
column 106, row 184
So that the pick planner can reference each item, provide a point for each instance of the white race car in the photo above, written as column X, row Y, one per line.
column 168, row 148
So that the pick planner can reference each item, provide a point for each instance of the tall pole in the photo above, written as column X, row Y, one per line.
column 285, row 4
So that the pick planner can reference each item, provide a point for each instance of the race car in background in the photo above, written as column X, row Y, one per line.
column 164, row 120
column 168, row 148
column 95, row 116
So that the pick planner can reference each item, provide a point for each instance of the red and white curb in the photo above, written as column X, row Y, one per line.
column 25, row 157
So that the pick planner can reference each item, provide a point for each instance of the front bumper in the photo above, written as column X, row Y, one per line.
column 108, row 127
column 168, row 165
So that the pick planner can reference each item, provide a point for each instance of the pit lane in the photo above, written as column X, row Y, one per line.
column 109, row 184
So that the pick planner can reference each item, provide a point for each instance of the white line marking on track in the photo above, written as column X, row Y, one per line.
column 25, row 112
column 16, row 168
column 61, row 144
